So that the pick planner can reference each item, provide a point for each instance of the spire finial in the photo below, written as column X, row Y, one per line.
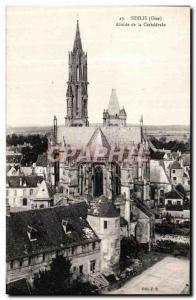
column 77, row 41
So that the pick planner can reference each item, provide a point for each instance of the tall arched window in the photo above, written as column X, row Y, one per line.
column 77, row 74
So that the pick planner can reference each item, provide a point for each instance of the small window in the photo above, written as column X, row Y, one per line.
column 169, row 202
column 174, row 178
column 32, row 233
column 7, row 193
column 24, row 192
column 93, row 245
column 116, row 223
column 105, row 224
column 81, row 269
column 21, row 262
column 92, row 265
column 74, row 269
column 31, row 191
column 173, row 171
column 178, row 203
column 24, row 202
column 11, row 264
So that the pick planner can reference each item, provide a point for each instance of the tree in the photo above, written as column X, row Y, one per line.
column 55, row 280
column 129, row 248
column 58, row 280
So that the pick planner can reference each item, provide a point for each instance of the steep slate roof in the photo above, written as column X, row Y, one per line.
column 42, row 160
column 173, row 195
column 175, row 165
column 80, row 136
column 18, row 287
column 51, row 235
column 44, row 192
column 143, row 207
column 104, row 208
column 113, row 107
column 23, row 181
column 98, row 139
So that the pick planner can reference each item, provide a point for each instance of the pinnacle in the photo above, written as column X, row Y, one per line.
column 77, row 41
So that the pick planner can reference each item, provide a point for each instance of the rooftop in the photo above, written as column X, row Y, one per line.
column 50, row 233
column 175, row 165
column 23, row 181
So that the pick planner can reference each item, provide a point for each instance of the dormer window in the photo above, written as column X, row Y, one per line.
column 32, row 233
column 66, row 226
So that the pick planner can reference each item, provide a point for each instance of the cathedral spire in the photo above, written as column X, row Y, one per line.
column 77, row 89
column 77, row 41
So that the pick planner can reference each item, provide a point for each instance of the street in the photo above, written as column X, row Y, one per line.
column 168, row 276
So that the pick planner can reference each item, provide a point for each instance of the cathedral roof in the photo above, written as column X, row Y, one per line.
column 98, row 139
column 81, row 136
column 77, row 41
column 113, row 107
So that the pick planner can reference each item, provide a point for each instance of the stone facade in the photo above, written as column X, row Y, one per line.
column 114, row 116
column 105, row 220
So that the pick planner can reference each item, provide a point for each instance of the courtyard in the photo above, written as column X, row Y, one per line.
column 168, row 276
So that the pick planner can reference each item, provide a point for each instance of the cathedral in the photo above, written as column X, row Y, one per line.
column 102, row 163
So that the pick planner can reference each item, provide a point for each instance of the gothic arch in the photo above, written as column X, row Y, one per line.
column 98, row 181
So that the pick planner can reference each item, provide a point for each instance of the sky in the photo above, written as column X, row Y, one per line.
column 148, row 66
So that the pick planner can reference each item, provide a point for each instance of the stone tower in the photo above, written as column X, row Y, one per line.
column 77, row 89
column 114, row 116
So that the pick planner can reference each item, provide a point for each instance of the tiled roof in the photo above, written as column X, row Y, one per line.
column 98, row 139
column 18, row 287
column 173, row 195
column 42, row 160
column 175, row 165
column 103, row 207
column 23, row 181
column 50, row 232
